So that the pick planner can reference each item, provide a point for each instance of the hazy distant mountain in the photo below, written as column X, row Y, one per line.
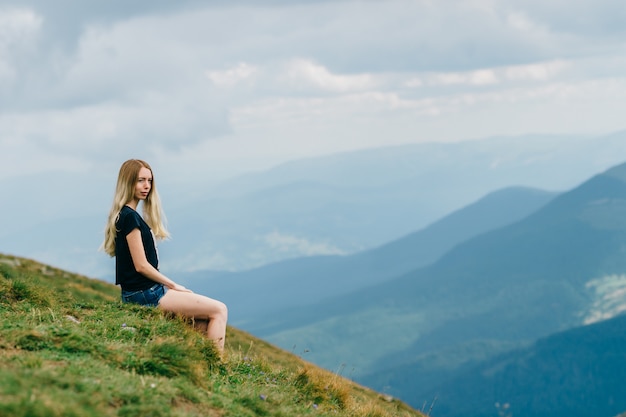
column 562, row 266
column 577, row 373
column 309, row 280
column 353, row 201
column 335, row 204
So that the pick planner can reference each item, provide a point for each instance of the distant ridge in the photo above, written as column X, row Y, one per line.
column 579, row 372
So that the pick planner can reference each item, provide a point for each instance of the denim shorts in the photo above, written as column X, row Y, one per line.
column 148, row 298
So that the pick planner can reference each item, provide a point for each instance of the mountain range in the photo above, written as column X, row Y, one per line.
column 349, row 202
column 559, row 267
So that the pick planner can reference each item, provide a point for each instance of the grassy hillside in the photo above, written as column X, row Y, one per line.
column 68, row 347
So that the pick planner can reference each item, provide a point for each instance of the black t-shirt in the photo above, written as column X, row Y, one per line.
column 125, row 273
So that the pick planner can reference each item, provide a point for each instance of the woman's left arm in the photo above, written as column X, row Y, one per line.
column 138, row 255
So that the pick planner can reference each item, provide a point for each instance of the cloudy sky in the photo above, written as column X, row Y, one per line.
column 226, row 86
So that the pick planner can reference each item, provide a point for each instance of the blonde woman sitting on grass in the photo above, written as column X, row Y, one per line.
column 131, row 240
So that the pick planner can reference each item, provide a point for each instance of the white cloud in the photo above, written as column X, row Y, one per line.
column 232, row 76
column 19, row 30
column 414, row 82
column 520, row 21
column 540, row 71
column 309, row 73
column 111, row 128
column 479, row 77
column 18, row 26
column 298, row 245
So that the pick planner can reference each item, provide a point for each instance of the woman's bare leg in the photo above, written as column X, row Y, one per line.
column 199, row 307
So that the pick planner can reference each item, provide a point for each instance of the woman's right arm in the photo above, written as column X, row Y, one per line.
column 144, row 267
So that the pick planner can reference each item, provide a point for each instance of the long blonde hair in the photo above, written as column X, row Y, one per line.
column 124, row 193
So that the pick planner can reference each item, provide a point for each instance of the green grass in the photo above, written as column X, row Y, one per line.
column 68, row 347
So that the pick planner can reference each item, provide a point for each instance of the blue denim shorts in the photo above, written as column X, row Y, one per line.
column 148, row 298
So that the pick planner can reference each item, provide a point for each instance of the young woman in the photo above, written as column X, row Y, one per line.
column 131, row 239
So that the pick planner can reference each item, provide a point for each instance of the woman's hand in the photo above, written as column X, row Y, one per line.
column 180, row 288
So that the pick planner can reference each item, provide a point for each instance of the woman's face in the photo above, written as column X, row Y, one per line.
column 144, row 184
